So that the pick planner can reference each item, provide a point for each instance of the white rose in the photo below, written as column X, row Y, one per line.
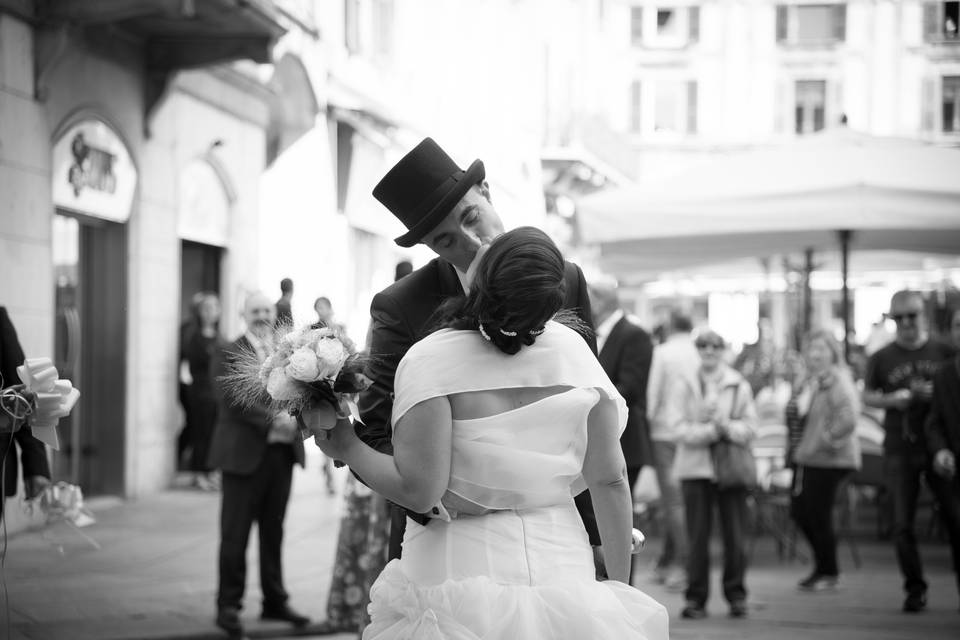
column 332, row 354
column 280, row 386
column 303, row 365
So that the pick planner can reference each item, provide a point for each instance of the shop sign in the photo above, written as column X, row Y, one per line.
column 93, row 173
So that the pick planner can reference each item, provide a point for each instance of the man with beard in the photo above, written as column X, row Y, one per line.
column 256, row 449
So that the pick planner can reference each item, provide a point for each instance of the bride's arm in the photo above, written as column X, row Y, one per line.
column 605, row 473
column 417, row 473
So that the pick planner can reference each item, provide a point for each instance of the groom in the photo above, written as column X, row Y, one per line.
column 449, row 210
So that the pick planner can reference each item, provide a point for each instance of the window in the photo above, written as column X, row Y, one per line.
column 811, row 23
column 810, row 104
column 940, row 21
column 636, row 25
column 675, row 108
column 351, row 25
column 668, row 103
column 383, row 26
column 951, row 104
column 636, row 123
column 669, row 27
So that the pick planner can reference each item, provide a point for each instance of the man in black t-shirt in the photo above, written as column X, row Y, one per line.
column 900, row 381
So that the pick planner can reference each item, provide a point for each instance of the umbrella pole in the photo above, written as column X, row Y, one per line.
column 807, row 292
column 845, row 290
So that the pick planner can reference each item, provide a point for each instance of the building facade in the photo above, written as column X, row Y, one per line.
column 130, row 154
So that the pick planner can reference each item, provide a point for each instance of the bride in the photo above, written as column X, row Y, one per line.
column 499, row 418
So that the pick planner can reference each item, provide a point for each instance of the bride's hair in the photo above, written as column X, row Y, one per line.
column 517, row 288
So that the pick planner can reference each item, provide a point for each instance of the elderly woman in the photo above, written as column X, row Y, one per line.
column 719, row 406
column 828, row 451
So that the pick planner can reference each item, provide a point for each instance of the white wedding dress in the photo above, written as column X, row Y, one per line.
column 506, row 555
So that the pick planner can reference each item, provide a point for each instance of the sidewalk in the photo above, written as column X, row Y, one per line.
column 154, row 577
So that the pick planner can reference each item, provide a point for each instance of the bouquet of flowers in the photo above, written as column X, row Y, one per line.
column 310, row 366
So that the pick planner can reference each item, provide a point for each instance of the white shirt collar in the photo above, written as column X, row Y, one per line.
column 607, row 326
column 263, row 348
column 462, row 277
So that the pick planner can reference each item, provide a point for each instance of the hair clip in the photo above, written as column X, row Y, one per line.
column 536, row 332
column 512, row 334
column 485, row 335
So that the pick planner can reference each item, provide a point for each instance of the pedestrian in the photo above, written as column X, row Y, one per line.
column 675, row 362
column 827, row 452
column 900, row 381
column 625, row 351
column 943, row 443
column 450, row 211
column 198, row 354
column 717, row 406
column 284, row 312
column 16, row 433
column 492, row 416
column 256, row 449
column 187, row 328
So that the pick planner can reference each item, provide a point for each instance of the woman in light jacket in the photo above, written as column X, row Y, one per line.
column 719, row 406
column 828, row 451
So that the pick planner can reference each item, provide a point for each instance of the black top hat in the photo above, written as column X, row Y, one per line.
column 421, row 189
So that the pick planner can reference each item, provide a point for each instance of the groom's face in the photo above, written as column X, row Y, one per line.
column 471, row 223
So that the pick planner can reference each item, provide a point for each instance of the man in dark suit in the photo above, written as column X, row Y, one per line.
column 943, row 443
column 449, row 210
column 625, row 354
column 256, row 449
column 33, row 454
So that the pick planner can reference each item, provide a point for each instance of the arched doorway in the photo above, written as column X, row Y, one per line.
column 93, row 182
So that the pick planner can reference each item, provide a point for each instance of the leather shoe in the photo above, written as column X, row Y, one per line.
column 693, row 611
column 228, row 619
column 285, row 614
column 738, row 609
column 915, row 603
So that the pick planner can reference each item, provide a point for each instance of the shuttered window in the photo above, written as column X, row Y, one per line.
column 693, row 23
column 692, row 106
column 950, row 104
column 811, row 24
column 810, row 103
column 941, row 21
column 636, row 25
column 636, row 124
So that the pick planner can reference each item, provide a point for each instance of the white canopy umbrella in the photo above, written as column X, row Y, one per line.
column 888, row 193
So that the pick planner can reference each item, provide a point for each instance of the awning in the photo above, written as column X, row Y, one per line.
column 180, row 34
column 890, row 193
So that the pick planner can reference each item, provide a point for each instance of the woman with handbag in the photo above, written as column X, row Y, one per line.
column 826, row 409
column 715, row 422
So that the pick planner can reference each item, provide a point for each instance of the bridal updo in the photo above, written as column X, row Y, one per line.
column 517, row 289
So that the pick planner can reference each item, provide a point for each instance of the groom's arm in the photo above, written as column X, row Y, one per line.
column 389, row 339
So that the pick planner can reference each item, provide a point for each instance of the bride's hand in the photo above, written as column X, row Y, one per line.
column 332, row 430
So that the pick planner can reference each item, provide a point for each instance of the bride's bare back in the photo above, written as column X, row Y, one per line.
column 482, row 404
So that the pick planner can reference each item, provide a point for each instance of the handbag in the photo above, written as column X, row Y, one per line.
column 733, row 463
column 646, row 489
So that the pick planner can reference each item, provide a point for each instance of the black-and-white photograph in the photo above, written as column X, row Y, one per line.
column 480, row 319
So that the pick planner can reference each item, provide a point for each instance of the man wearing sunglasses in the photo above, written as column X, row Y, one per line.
column 900, row 381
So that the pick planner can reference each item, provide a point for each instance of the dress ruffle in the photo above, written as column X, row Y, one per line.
column 477, row 607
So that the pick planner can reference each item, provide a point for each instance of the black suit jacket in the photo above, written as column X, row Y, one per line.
column 625, row 357
column 399, row 316
column 33, row 453
column 240, row 435
column 943, row 421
